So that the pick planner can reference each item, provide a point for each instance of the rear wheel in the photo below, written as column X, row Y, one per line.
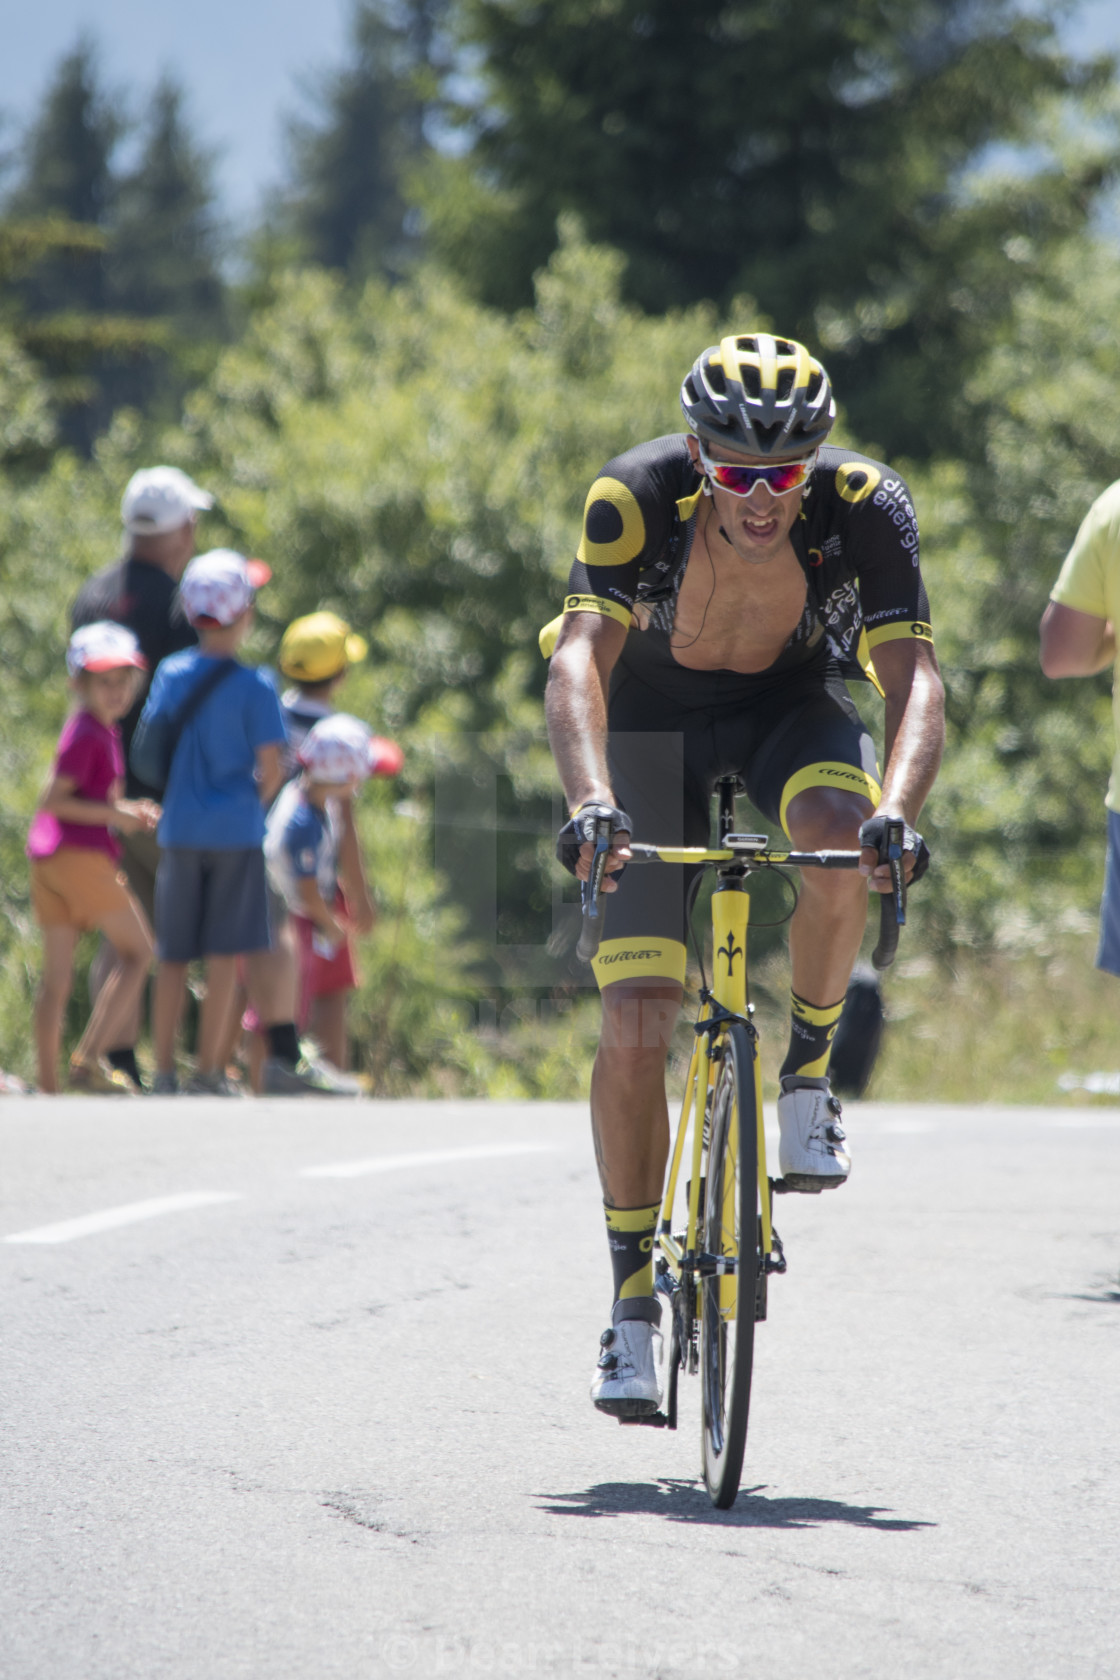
column 728, row 1301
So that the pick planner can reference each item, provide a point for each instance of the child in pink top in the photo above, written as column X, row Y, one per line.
column 75, row 882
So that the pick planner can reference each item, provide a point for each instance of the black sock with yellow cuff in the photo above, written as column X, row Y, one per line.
column 630, row 1234
column 812, row 1027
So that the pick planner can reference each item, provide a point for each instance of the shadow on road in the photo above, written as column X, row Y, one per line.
column 681, row 1501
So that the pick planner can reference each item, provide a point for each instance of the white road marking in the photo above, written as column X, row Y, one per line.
column 1083, row 1122
column 109, row 1218
column 424, row 1158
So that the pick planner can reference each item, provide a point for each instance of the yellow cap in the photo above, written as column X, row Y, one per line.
column 319, row 647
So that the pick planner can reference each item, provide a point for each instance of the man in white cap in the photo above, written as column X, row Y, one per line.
column 159, row 511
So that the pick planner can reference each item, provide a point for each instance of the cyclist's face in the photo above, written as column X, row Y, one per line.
column 756, row 526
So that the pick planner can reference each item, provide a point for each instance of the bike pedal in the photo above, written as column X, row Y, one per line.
column 655, row 1420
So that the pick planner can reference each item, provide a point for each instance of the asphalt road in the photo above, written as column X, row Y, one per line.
column 308, row 1423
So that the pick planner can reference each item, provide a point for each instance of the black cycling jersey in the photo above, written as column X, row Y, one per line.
column 856, row 540
column 140, row 595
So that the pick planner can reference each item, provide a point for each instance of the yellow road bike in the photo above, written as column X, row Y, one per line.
column 717, row 1246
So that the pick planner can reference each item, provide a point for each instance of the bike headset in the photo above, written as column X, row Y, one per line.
column 760, row 395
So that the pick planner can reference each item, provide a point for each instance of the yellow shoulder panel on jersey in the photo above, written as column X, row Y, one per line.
column 614, row 531
column 582, row 604
column 855, row 480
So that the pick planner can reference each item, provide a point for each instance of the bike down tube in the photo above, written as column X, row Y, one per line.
column 689, row 1106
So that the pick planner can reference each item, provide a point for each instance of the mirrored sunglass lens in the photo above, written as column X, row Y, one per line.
column 785, row 476
column 788, row 476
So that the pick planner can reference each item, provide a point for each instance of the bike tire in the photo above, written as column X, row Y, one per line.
column 728, row 1304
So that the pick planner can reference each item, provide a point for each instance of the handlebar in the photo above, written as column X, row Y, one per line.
column 752, row 852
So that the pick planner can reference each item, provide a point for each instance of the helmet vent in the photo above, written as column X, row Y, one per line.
column 768, row 435
column 812, row 390
column 785, row 384
column 752, row 384
column 717, row 379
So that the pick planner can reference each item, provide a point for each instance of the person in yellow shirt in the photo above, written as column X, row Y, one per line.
column 1077, row 639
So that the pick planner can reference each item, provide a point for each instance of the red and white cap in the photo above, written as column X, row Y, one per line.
column 161, row 499
column 340, row 748
column 220, row 584
column 103, row 646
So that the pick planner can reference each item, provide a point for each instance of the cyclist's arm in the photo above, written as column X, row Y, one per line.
column 914, row 734
column 1074, row 644
column 586, row 651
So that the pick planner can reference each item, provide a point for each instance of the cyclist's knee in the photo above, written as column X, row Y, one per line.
column 638, row 1020
column 826, row 819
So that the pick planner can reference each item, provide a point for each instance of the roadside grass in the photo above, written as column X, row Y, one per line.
column 1002, row 1027
column 996, row 1028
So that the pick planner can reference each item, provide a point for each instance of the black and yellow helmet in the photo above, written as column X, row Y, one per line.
column 759, row 394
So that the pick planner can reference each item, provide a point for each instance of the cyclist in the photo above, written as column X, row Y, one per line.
column 726, row 583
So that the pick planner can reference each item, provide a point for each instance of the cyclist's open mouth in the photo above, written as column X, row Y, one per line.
column 759, row 530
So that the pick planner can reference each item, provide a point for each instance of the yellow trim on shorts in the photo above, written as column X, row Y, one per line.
column 849, row 778
column 639, row 959
column 582, row 604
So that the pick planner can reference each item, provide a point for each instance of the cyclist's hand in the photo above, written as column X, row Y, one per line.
column 872, row 838
column 575, row 844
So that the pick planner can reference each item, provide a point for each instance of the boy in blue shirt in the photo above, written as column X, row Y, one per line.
column 210, row 888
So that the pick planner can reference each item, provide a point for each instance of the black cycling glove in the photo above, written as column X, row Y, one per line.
column 873, row 833
column 580, row 829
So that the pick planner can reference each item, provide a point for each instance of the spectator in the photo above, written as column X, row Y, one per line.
column 315, row 654
column 328, row 900
column 75, row 880
column 1078, row 639
column 210, row 889
column 160, row 511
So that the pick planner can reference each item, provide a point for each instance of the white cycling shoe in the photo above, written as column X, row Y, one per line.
column 811, row 1153
column 626, row 1383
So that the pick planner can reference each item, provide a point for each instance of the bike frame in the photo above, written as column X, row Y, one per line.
column 728, row 1000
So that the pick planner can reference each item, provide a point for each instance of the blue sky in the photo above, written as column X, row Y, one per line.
column 242, row 62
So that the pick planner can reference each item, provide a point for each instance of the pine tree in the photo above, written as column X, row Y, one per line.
column 163, row 261
column 165, row 236
column 114, row 284
column 349, row 200
column 809, row 156
column 67, row 176
column 56, row 234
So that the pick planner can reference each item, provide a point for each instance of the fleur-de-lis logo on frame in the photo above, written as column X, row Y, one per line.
column 730, row 951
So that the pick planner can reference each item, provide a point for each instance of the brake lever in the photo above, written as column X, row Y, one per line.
column 591, row 888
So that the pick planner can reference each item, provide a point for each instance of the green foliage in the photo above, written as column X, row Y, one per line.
column 810, row 155
column 418, row 462
column 1017, row 813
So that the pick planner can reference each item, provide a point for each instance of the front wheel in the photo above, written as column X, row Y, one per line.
column 729, row 1300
